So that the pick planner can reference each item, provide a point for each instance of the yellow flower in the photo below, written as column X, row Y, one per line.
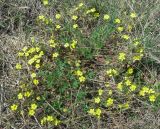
column 79, row 73
column 75, row 26
column 58, row 16
column 31, row 61
column 37, row 49
column 126, row 105
column 92, row 112
column 20, row 54
column 106, row 17
column 47, row 21
column 120, row 29
column 80, row 4
column 32, row 50
column 128, row 82
column 56, row 122
column 74, row 41
column 88, row 11
column 93, row 10
column 73, row 45
column 20, row 96
column 74, row 17
column 38, row 97
column 122, row 56
column 117, row 21
column 133, row 15
column 126, row 37
column 33, row 75
column 110, row 92
column 14, row 107
column 136, row 43
column 107, row 84
column 55, row 55
column 22, row 86
column 27, row 94
column 33, row 106
column 77, row 63
column 96, row 15
column 82, row 79
column 18, row 66
column 35, row 82
column 151, row 91
column 37, row 66
column 26, row 54
column 43, row 121
column 50, row 118
column 109, row 102
column 136, row 58
column 114, row 72
column 100, row 92
column 58, row 27
column 97, row 100
column 111, row 72
column 145, row 89
column 41, row 17
column 98, row 112
column 130, row 70
column 133, row 87
column 142, row 93
column 45, row 2
column 31, row 112
column 41, row 53
column 38, row 61
column 66, row 45
column 120, row 86
column 152, row 98
column 24, row 49
column 65, row 110
column 52, row 43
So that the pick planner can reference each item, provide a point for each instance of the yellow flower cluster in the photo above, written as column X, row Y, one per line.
column 44, row 19
column 148, row 91
column 92, row 10
column 80, row 76
column 50, row 119
column 122, row 56
column 35, row 53
column 127, row 82
column 80, row 5
column 95, row 112
column 112, row 72
column 45, row 2
column 52, row 43
column 32, row 109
